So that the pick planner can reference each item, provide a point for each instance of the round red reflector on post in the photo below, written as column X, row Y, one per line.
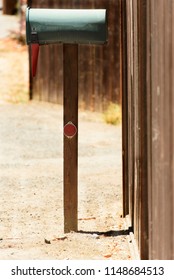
column 70, row 130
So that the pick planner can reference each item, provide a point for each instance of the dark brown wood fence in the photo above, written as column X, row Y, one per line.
column 99, row 66
column 148, row 124
column 9, row 7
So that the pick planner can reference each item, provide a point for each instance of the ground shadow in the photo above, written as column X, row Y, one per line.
column 108, row 233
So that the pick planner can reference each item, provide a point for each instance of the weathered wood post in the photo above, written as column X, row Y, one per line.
column 70, row 76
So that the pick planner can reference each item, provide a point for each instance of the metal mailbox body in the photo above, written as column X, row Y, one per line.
column 75, row 26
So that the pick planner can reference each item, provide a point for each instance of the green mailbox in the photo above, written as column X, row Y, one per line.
column 67, row 26
column 50, row 26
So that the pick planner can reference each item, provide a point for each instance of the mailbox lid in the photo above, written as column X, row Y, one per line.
column 49, row 26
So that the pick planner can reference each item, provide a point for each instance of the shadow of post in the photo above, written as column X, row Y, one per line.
column 108, row 233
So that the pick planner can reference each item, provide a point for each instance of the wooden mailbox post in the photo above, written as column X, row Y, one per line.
column 70, row 27
column 70, row 76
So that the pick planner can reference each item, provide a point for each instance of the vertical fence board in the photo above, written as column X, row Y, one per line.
column 124, row 64
column 172, row 127
column 155, row 129
column 130, row 111
column 161, row 217
column 143, row 130
column 149, row 127
column 135, row 127
column 167, row 123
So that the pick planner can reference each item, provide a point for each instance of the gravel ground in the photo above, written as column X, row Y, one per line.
column 8, row 23
column 31, row 164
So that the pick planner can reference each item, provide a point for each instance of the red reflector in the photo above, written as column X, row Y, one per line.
column 70, row 130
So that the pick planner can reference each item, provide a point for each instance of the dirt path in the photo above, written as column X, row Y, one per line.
column 7, row 23
column 31, row 184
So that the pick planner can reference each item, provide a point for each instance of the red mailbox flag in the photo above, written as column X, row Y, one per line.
column 34, row 58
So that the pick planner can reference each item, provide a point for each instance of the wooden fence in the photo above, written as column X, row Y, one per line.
column 99, row 66
column 148, row 124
